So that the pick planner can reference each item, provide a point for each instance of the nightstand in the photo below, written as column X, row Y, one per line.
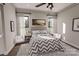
column 27, row 38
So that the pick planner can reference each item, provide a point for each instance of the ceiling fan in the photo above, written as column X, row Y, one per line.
column 49, row 5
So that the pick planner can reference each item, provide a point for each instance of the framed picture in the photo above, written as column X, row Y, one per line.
column 75, row 24
column 12, row 26
column 39, row 22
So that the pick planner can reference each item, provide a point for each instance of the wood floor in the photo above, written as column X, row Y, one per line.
column 16, row 48
column 68, row 51
column 14, row 51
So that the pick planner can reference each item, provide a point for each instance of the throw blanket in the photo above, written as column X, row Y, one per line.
column 39, row 47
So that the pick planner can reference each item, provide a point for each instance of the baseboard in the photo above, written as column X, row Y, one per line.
column 22, row 43
column 71, row 45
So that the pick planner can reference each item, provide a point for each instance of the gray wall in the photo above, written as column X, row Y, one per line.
column 9, row 15
column 66, row 17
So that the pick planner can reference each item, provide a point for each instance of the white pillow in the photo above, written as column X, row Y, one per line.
column 59, row 36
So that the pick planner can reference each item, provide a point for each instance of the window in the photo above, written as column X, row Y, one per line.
column 51, row 24
column 23, row 24
column 64, row 28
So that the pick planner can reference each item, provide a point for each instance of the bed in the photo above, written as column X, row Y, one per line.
column 44, row 43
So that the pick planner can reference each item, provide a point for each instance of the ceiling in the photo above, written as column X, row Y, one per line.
column 31, row 6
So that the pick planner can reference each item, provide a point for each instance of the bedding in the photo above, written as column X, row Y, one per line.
column 40, row 45
column 39, row 32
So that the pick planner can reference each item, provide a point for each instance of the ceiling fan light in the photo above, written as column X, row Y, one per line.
column 47, row 6
column 51, row 8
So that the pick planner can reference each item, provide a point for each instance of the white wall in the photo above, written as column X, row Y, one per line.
column 38, row 15
column 66, row 17
column 35, row 15
column 9, row 15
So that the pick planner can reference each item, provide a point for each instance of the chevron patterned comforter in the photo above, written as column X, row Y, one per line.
column 40, row 46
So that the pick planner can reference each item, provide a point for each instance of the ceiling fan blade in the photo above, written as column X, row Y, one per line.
column 50, row 5
column 40, row 4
